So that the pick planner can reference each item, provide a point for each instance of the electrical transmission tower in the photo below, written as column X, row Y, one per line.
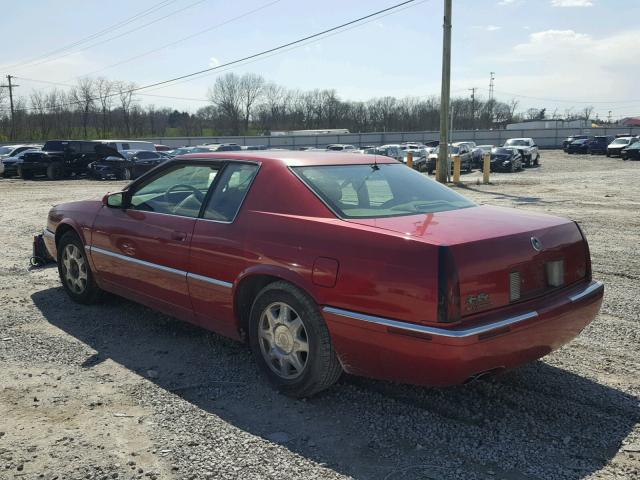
column 491, row 79
column 10, row 86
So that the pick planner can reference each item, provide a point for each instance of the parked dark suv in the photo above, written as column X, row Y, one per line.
column 598, row 146
column 567, row 141
column 61, row 158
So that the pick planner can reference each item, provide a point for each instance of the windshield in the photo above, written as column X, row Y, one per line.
column 452, row 150
column 6, row 150
column 619, row 141
column 502, row 151
column 516, row 143
column 385, row 190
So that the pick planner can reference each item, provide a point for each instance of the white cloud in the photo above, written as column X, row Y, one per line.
column 506, row 2
column 487, row 28
column 569, row 65
column 572, row 3
column 214, row 62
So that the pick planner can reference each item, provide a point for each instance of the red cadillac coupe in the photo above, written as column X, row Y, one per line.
column 332, row 262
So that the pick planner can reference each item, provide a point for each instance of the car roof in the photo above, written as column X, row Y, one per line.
column 292, row 158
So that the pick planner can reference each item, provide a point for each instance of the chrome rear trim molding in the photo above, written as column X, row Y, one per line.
column 182, row 273
column 593, row 286
column 435, row 331
column 214, row 281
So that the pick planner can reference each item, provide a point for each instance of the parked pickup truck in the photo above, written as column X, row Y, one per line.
column 62, row 158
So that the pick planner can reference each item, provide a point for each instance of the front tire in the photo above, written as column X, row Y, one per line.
column 25, row 174
column 290, row 341
column 75, row 273
column 54, row 171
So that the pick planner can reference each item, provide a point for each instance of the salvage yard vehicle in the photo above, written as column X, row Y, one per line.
column 463, row 150
column 528, row 149
column 340, row 147
column 616, row 146
column 631, row 152
column 368, row 271
column 579, row 146
column 122, row 145
column 128, row 165
column 505, row 160
column 7, row 151
column 567, row 141
column 62, row 158
column 598, row 145
column 11, row 163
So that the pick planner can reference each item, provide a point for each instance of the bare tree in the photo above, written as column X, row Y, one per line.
column 587, row 111
column 125, row 95
column 83, row 95
column 251, row 89
column 226, row 94
column 105, row 91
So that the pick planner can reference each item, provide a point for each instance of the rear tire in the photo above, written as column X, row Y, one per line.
column 54, row 171
column 75, row 272
column 290, row 341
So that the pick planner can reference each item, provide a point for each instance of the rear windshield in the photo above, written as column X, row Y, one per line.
column 375, row 191
column 618, row 141
column 516, row 143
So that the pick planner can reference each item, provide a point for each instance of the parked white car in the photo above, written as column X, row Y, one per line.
column 340, row 147
column 527, row 148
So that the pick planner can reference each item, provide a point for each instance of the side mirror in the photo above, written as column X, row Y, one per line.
column 113, row 200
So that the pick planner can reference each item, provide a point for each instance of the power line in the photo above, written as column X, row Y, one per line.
column 589, row 102
column 253, row 56
column 188, row 37
column 10, row 86
column 104, row 31
column 133, row 30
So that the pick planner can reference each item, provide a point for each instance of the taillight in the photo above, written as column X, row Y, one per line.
column 587, row 253
column 448, row 287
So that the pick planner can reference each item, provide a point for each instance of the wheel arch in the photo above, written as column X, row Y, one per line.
column 253, row 280
column 68, row 226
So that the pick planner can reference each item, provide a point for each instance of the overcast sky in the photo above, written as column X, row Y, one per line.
column 545, row 53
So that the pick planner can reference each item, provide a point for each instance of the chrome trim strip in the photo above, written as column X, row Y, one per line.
column 202, row 278
column 48, row 233
column 144, row 263
column 586, row 292
column 435, row 331
column 214, row 281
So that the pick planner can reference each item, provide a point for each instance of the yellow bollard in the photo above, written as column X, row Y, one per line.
column 456, row 169
column 486, row 167
column 410, row 159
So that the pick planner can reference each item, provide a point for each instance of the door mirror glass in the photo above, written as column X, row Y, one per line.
column 113, row 200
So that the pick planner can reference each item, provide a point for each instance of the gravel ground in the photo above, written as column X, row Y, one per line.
column 119, row 391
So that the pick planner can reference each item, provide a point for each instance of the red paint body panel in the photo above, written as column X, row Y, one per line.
column 387, row 268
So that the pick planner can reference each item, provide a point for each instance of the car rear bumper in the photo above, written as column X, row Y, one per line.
column 425, row 355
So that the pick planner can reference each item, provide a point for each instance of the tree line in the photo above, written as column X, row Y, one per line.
column 238, row 105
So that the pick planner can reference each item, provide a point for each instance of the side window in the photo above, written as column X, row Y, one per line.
column 230, row 191
column 145, row 155
column 177, row 191
column 125, row 146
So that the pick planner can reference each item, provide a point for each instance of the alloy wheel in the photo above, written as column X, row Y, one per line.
column 74, row 269
column 283, row 340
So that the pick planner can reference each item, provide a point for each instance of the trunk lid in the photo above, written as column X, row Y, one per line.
column 499, row 256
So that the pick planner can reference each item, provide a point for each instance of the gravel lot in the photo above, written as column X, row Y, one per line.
column 119, row 391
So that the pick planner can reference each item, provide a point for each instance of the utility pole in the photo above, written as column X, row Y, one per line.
column 445, row 91
column 492, row 77
column 473, row 108
column 10, row 86
column 609, row 118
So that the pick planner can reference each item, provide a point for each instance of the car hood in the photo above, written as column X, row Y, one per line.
column 480, row 223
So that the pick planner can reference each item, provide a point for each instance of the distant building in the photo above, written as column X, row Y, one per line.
column 544, row 124
column 328, row 131
column 630, row 122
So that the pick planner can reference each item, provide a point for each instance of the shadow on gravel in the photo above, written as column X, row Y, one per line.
column 537, row 422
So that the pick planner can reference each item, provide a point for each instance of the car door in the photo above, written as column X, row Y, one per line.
column 217, row 249
column 141, row 251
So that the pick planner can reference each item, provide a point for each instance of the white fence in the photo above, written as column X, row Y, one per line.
column 545, row 138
